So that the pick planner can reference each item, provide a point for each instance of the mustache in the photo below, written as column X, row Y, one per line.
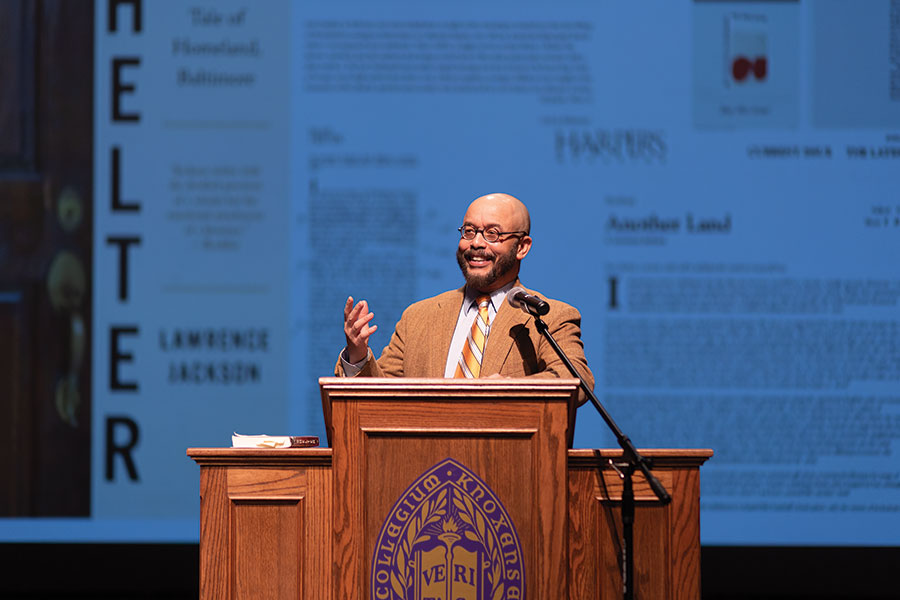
column 484, row 254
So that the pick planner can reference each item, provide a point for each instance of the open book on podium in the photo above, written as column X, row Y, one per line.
column 274, row 441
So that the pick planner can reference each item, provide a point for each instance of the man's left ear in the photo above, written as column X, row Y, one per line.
column 524, row 247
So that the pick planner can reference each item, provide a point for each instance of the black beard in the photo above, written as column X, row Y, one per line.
column 502, row 264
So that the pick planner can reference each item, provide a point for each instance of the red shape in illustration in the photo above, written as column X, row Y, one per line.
column 742, row 66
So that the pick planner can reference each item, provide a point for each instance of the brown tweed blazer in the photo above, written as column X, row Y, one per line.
column 515, row 348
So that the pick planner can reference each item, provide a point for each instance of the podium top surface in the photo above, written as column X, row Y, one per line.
column 400, row 387
column 578, row 457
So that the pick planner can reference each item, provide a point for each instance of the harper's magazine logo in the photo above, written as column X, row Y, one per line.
column 448, row 537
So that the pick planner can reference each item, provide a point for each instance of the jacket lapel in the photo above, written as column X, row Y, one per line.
column 501, row 339
column 442, row 328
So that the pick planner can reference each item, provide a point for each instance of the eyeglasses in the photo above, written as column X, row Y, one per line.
column 491, row 234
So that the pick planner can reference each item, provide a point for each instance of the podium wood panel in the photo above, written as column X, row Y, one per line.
column 265, row 523
column 666, row 538
column 302, row 523
column 386, row 433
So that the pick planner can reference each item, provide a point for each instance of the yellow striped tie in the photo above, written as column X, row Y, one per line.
column 469, row 364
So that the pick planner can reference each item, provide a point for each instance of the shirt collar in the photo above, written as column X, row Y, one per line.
column 497, row 297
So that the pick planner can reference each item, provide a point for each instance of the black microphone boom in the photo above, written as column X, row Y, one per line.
column 519, row 298
column 631, row 460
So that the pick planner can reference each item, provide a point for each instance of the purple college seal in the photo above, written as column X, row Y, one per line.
column 448, row 537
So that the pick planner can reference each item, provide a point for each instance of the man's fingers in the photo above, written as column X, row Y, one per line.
column 357, row 328
column 360, row 321
column 361, row 308
column 360, row 326
column 352, row 314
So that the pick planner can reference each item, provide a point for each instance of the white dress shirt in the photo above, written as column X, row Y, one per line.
column 467, row 313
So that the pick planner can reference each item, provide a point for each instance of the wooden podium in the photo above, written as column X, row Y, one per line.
column 460, row 485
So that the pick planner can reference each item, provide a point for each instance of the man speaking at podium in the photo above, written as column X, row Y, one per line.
column 472, row 331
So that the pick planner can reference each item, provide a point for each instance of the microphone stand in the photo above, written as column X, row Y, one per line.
column 631, row 460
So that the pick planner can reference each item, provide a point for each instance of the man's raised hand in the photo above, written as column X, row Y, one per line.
column 357, row 329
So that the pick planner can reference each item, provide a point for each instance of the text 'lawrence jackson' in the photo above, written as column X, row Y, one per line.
column 227, row 368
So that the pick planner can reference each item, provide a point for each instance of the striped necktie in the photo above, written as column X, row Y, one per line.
column 470, row 360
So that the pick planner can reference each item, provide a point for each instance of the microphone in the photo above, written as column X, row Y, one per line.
column 519, row 298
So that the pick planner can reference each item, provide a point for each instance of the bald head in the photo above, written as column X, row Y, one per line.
column 502, row 206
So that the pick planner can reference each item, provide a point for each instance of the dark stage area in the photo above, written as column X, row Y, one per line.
column 138, row 571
